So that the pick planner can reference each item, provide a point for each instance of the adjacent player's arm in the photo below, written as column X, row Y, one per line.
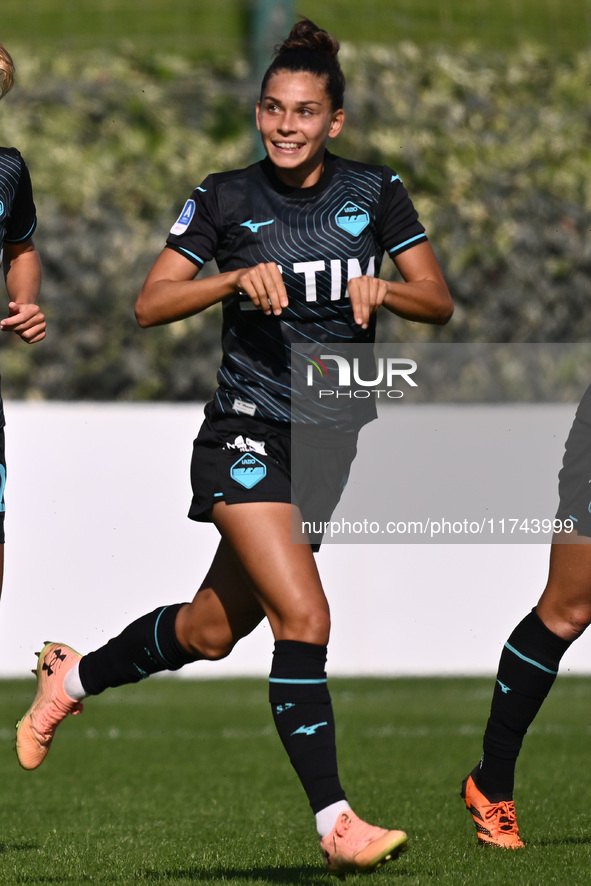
column 172, row 290
column 22, row 273
column 422, row 295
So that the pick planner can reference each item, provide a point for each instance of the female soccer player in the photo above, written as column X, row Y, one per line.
column 285, row 232
column 20, row 260
column 531, row 656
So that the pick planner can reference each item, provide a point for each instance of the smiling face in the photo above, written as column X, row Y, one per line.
column 295, row 118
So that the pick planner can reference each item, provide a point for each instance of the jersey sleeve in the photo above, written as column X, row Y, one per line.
column 196, row 232
column 23, row 214
column 398, row 222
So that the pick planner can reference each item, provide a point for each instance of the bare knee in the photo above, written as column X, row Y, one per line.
column 566, row 621
column 203, row 639
column 575, row 621
column 565, row 605
column 308, row 627
column 212, row 649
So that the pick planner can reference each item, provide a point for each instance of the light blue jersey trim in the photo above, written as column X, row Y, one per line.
column 160, row 653
column 301, row 682
column 192, row 254
column 406, row 242
column 529, row 660
column 26, row 237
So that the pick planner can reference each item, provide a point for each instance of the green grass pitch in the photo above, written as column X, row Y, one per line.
column 185, row 782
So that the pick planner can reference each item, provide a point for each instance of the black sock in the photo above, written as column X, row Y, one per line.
column 146, row 646
column 302, row 711
column 527, row 669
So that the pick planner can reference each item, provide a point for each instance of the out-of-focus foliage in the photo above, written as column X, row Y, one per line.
column 115, row 143
column 494, row 149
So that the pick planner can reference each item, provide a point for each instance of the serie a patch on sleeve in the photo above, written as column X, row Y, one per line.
column 184, row 219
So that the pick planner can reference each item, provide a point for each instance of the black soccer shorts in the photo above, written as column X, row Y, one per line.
column 239, row 459
column 574, row 479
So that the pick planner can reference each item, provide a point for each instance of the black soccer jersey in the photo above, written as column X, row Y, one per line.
column 320, row 237
column 17, row 210
column 18, row 217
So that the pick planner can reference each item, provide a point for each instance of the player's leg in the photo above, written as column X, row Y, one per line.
column 290, row 591
column 531, row 657
column 527, row 670
column 223, row 611
column 565, row 605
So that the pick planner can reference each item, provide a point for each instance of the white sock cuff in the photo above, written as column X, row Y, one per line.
column 73, row 685
column 326, row 818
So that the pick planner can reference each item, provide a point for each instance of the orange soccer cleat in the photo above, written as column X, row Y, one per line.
column 496, row 823
column 355, row 846
column 51, row 705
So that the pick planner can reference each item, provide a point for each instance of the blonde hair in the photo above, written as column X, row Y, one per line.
column 6, row 71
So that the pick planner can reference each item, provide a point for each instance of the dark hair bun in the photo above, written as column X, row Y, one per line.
column 308, row 36
column 310, row 49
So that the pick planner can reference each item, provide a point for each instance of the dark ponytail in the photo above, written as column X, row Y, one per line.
column 310, row 49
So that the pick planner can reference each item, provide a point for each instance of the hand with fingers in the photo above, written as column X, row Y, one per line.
column 366, row 295
column 26, row 320
column 265, row 287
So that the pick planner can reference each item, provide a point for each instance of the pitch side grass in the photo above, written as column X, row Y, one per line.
column 185, row 782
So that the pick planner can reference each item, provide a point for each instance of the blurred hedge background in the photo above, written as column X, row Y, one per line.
column 121, row 108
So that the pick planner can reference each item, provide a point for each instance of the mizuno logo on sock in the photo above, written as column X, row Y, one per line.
column 504, row 689
column 309, row 730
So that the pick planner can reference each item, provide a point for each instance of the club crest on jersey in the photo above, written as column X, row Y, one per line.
column 184, row 219
column 248, row 470
column 352, row 218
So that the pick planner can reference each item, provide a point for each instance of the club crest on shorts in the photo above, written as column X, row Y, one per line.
column 248, row 470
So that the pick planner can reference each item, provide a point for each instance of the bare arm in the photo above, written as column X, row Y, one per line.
column 22, row 272
column 422, row 295
column 171, row 291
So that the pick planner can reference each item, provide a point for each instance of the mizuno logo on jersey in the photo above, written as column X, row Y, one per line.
column 254, row 226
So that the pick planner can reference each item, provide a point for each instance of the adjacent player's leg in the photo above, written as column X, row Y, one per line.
column 288, row 586
column 527, row 670
column 531, row 657
column 223, row 610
